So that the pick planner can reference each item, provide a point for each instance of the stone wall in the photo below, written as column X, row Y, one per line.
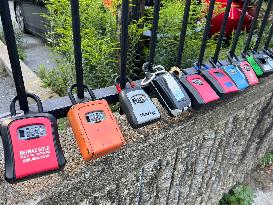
column 191, row 159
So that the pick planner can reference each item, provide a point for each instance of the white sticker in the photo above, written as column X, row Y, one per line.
column 174, row 87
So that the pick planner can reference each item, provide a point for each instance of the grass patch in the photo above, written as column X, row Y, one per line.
column 267, row 160
column 238, row 195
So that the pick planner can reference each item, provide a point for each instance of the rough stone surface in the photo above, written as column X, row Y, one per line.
column 191, row 159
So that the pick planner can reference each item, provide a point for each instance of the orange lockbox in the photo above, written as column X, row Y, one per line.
column 95, row 128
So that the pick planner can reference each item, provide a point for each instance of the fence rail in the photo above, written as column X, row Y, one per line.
column 60, row 106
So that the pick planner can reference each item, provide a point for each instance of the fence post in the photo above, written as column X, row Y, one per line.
column 13, row 55
column 154, row 33
column 266, row 15
column 269, row 38
column 222, row 32
column 253, row 26
column 206, row 33
column 124, row 42
column 239, row 28
column 138, row 11
column 76, row 25
column 183, row 32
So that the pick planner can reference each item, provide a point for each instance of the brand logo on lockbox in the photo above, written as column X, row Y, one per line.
column 148, row 113
column 138, row 99
column 247, row 68
column 197, row 81
column 35, row 154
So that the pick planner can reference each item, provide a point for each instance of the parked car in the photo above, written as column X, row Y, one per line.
column 29, row 16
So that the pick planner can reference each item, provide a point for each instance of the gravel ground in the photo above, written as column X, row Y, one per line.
column 7, row 91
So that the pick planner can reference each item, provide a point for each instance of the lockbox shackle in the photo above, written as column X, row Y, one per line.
column 30, row 95
column 72, row 97
column 253, row 26
column 154, row 36
column 268, row 40
column 183, row 33
column 261, row 31
column 76, row 27
column 13, row 55
column 129, row 80
column 206, row 33
column 222, row 32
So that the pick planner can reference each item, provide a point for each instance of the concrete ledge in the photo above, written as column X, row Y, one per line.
column 33, row 84
column 191, row 159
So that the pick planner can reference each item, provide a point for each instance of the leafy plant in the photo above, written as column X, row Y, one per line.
column 239, row 195
column 99, row 44
column 267, row 160
column 100, row 31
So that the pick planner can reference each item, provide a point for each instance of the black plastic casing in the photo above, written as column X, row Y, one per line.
column 165, row 96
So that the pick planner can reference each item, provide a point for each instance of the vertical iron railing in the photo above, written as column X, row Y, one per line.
column 124, row 41
column 239, row 28
column 261, row 31
column 76, row 25
column 222, row 32
column 206, row 32
column 59, row 107
column 253, row 26
column 183, row 33
column 154, row 33
column 269, row 38
column 13, row 55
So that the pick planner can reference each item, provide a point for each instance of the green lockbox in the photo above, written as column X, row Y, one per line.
column 257, row 69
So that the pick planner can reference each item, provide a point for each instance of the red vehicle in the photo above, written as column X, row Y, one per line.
column 234, row 16
column 216, row 22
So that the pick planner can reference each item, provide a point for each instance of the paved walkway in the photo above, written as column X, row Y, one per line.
column 37, row 53
column 263, row 198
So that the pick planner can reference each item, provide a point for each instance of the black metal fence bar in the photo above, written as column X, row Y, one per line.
column 253, row 26
column 261, row 31
column 13, row 55
column 206, row 32
column 154, row 33
column 124, row 42
column 76, row 25
column 268, row 40
column 239, row 28
column 222, row 32
column 183, row 33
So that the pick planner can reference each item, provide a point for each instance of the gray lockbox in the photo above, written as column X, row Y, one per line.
column 138, row 107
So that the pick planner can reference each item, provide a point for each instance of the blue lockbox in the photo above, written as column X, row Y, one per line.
column 237, row 76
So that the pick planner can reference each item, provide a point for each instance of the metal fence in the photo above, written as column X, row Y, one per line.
column 60, row 106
